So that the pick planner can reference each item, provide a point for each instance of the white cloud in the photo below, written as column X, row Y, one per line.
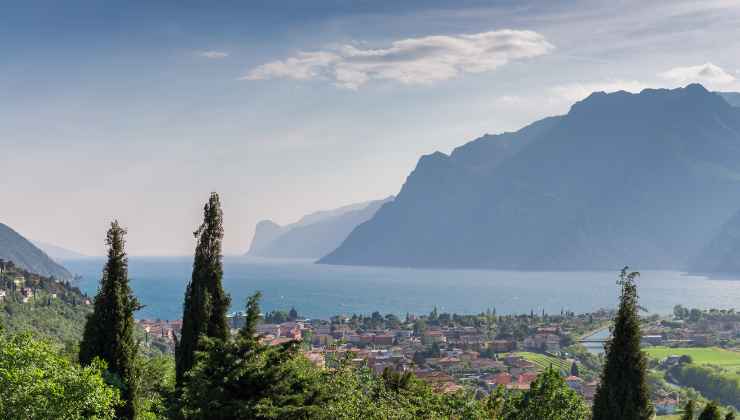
column 576, row 91
column 409, row 61
column 706, row 73
column 214, row 55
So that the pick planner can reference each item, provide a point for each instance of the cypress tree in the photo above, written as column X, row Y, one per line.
column 574, row 369
column 206, row 303
column 109, row 330
column 689, row 410
column 623, row 391
column 711, row 412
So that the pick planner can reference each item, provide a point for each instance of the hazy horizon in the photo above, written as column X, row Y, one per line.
column 137, row 111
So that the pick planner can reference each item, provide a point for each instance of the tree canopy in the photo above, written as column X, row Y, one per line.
column 109, row 330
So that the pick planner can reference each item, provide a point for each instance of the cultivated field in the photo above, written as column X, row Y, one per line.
column 728, row 360
column 543, row 361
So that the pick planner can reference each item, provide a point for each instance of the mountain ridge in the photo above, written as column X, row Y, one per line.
column 56, row 252
column 314, row 235
column 566, row 198
column 24, row 254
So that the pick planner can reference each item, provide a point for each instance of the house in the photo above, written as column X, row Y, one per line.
column 323, row 329
column 665, row 406
column 2, row 295
column 499, row 379
column 268, row 329
column 433, row 377
column 588, row 390
column 502, row 346
column 433, row 336
column 448, row 388
column 342, row 331
column 322, row 340
column 702, row 339
column 652, row 340
column 517, row 387
column 486, row 364
column 382, row 340
column 526, row 378
column 575, row 383
column 278, row 341
column 448, row 362
column 291, row 329
column 316, row 358
column 27, row 294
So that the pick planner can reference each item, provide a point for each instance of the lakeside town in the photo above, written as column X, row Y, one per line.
column 481, row 352
column 473, row 352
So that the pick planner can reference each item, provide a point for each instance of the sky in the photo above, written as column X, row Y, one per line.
column 137, row 110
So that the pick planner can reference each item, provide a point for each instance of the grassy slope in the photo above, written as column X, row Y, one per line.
column 728, row 360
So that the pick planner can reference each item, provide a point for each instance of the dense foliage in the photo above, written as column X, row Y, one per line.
column 710, row 381
column 243, row 378
column 206, row 303
column 623, row 393
column 36, row 382
column 109, row 331
column 549, row 398
column 711, row 412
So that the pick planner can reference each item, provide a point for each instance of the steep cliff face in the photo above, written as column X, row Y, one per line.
column 314, row 236
column 642, row 179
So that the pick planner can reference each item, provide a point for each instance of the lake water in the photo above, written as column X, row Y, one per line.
column 322, row 291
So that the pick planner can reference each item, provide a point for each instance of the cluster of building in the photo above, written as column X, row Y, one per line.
column 459, row 362
column 708, row 332
column 452, row 357
column 22, row 286
column 161, row 330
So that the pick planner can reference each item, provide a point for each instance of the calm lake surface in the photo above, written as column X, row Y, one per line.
column 322, row 291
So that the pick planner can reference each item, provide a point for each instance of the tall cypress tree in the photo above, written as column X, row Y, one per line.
column 689, row 410
column 206, row 303
column 109, row 330
column 623, row 392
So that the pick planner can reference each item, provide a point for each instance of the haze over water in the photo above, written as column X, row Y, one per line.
column 321, row 291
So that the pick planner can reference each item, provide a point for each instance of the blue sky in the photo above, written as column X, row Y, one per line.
column 137, row 110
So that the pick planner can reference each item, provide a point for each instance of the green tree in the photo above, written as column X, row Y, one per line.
column 711, row 412
column 206, row 303
column 292, row 314
column 623, row 393
column 549, row 397
column 109, row 330
column 574, row 369
column 689, row 410
column 36, row 382
column 241, row 378
column 156, row 387
column 730, row 415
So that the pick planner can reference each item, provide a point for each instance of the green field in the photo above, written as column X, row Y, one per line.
column 543, row 361
column 728, row 360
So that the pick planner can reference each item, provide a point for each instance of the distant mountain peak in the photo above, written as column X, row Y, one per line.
column 314, row 235
column 644, row 177
column 693, row 96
